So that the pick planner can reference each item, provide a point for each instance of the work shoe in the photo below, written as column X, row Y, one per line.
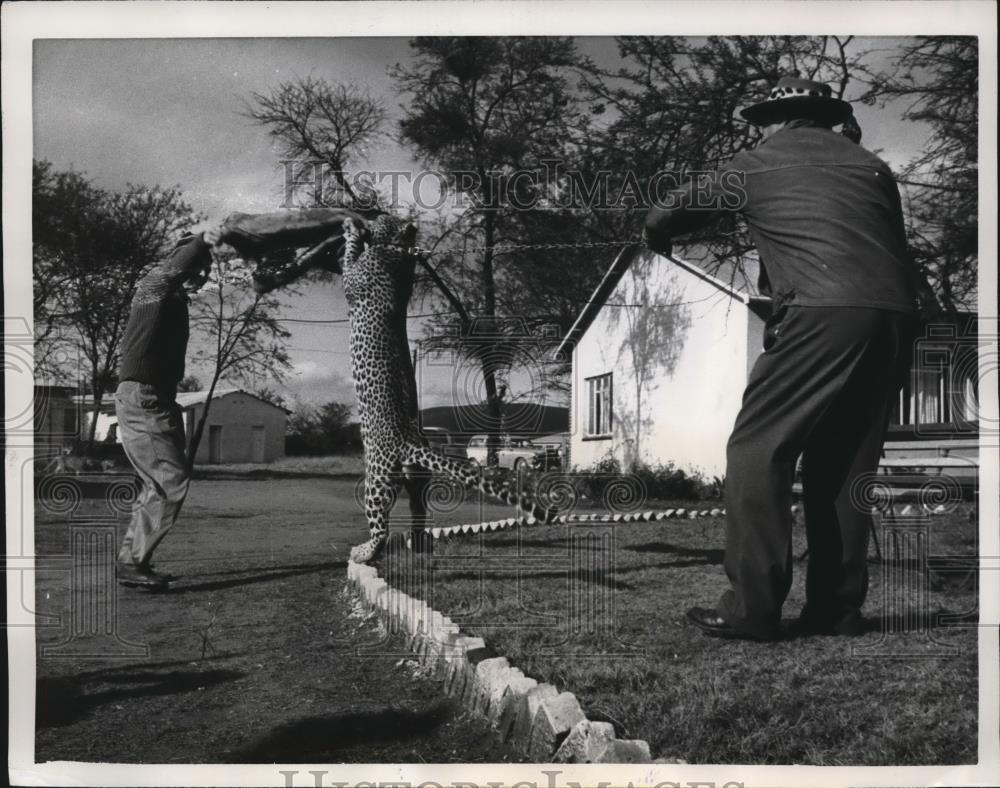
column 420, row 541
column 138, row 576
column 165, row 575
column 714, row 625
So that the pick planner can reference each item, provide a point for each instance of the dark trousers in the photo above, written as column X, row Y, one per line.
column 823, row 390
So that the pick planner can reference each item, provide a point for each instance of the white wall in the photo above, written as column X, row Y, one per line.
column 104, row 422
column 688, row 411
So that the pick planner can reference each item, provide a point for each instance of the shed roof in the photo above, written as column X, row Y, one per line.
column 186, row 399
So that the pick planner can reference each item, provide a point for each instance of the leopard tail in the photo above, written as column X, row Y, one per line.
column 472, row 478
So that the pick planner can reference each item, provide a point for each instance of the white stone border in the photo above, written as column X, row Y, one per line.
column 536, row 719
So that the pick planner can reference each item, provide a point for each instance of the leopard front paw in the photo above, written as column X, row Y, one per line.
column 368, row 552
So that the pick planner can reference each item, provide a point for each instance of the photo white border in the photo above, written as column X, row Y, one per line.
column 22, row 22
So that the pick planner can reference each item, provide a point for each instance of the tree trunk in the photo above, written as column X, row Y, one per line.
column 199, row 429
column 486, row 361
column 493, row 410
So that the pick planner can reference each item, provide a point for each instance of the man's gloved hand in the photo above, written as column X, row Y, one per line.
column 263, row 283
column 212, row 235
column 662, row 246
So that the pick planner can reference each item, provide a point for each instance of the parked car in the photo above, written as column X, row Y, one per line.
column 515, row 453
column 443, row 441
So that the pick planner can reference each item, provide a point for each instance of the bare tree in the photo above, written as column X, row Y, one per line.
column 66, row 211
column 938, row 78
column 327, row 130
column 91, row 249
column 241, row 337
column 480, row 105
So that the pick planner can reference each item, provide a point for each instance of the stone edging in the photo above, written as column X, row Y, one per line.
column 536, row 719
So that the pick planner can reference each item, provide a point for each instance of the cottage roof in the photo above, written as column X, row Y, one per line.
column 740, row 283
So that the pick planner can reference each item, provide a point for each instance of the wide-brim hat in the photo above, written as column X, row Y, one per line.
column 798, row 98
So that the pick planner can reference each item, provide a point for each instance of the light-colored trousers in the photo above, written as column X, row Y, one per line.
column 151, row 429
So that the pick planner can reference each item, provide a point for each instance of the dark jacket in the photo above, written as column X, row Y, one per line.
column 156, row 334
column 824, row 213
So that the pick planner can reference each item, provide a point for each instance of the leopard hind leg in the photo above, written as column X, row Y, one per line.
column 416, row 480
column 380, row 495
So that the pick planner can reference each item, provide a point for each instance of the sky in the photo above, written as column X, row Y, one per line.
column 168, row 112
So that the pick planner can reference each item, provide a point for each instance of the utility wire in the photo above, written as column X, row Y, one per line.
column 346, row 320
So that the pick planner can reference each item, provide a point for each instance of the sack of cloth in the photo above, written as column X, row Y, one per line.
column 254, row 235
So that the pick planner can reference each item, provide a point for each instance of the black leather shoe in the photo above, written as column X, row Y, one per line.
column 137, row 576
column 420, row 541
column 714, row 625
column 165, row 575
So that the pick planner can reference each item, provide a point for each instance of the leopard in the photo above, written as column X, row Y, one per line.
column 377, row 262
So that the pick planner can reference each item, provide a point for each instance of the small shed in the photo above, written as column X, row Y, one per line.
column 241, row 427
column 56, row 413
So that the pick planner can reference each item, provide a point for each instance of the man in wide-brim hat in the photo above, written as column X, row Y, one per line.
column 825, row 216
column 799, row 98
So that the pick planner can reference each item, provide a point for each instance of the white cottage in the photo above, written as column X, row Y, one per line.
column 661, row 355
column 660, row 358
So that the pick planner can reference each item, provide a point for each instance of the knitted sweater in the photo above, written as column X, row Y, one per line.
column 156, row 334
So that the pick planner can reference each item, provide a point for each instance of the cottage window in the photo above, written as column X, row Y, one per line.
column 599, row 406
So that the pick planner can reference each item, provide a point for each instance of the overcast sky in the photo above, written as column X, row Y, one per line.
column 167, row 112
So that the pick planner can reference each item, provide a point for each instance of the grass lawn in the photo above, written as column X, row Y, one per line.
column 255, row 655
column 597, row 609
